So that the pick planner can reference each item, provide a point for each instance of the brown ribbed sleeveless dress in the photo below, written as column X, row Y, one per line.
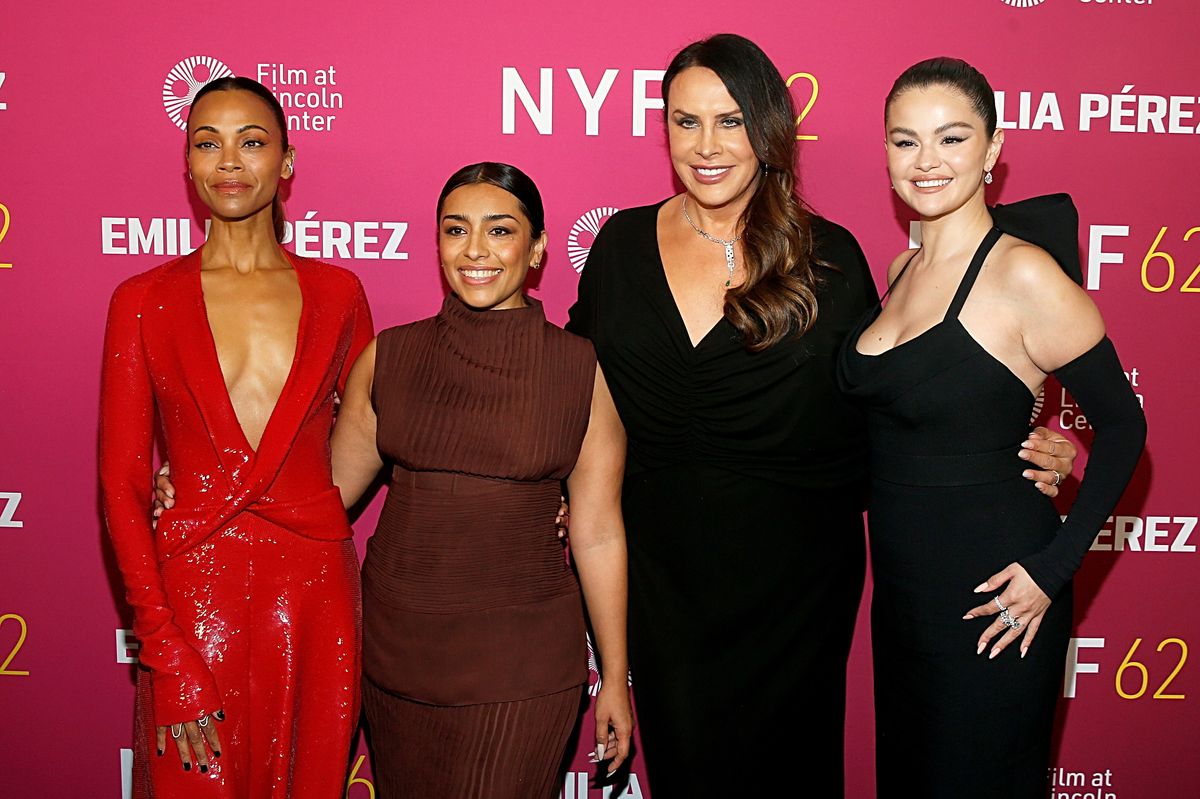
column 473, row 641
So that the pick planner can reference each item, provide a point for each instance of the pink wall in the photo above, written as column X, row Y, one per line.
column 1101, row 99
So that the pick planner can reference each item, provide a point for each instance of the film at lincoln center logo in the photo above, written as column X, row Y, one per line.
column 1023, row 3
column 583, row 234
column 184, row 80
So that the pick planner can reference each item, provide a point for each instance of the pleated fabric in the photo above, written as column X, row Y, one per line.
column 473, row 630
column 501, row 750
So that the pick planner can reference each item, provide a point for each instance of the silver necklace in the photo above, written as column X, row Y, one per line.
column 727, row 244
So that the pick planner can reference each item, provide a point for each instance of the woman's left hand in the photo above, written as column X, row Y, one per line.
column 1022, row 601
column 614, row 723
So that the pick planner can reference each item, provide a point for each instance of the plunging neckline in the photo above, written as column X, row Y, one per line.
column 214, row 359
column 693, row 346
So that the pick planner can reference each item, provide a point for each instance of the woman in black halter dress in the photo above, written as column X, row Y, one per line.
column 946, row 409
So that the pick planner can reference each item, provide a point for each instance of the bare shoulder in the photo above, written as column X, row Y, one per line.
column 1058, row 319
column 1025, row 269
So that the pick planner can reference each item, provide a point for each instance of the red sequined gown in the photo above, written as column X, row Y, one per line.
column 246, row 597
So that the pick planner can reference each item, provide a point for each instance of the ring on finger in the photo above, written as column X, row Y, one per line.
column 999, row 604
column 1058, row 477
column 176, row 731
column 203, row 722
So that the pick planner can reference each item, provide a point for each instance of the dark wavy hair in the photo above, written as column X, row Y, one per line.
column 778, row 298
column 953, row 73
column 502, row 176
column 241, row 84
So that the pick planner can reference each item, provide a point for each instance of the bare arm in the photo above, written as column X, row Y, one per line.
column 356, row 458
column 598, row 549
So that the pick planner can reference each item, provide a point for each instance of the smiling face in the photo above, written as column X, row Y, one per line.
column 486, row 245
column 235, row 154
column 938, row 150
column 710, row 150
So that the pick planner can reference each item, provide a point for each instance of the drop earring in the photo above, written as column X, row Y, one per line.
column 987, row 177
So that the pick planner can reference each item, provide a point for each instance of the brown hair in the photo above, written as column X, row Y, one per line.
column 243, row 84
column 778, row 298
column 953, row 73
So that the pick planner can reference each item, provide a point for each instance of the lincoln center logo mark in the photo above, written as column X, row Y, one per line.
column 1023, row 3
column 583, row 234
column 184, row 80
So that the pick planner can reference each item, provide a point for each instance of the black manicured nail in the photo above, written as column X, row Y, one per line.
column 203, row 769
column 219, row 715
column 187, row 766
column 160, row 753
column 216, row 753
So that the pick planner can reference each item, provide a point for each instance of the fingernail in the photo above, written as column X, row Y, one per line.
column 203, row 769
column 216, row 753
column 160, row 753
column 1027, row 444
column 968, row 616
column 599, row 751
column 993, row 653
column 1023, row 454
column 1023, row 651
column 1027, row 473
column 980, row 587
column 614, row 771
column 979, row 651
column 219, row 715
column 187, row 766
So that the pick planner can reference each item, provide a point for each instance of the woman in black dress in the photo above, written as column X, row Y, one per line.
column 716, row 316
column 948, row 372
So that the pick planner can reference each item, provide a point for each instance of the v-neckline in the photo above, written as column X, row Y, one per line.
column 214, row 360
column 693, row 347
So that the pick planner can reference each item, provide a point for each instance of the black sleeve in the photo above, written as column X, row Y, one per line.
column 1097, row 383
column 581, row 318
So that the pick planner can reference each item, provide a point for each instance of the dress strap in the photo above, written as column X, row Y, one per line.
column 968, row 279
column 903, row 269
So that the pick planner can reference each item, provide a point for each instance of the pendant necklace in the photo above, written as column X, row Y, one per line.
column 727, row 244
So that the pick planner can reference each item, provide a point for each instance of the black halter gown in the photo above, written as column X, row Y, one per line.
column 948, row 509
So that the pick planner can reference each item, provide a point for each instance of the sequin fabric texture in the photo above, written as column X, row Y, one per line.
column 246, row 597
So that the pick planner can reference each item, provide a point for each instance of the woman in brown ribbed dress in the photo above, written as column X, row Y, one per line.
column 474, row 644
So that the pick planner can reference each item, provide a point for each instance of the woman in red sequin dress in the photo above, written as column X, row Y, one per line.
column 245, row 598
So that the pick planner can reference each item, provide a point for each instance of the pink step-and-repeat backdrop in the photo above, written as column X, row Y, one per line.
column 385, row 100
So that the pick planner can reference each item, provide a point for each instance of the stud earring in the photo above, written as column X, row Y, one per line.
column 987, row 177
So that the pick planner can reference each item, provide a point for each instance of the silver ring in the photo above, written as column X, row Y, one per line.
column 203, row 722
column 1016, row 624
column 176, row 731
column 1058, row 478
column 996, row 599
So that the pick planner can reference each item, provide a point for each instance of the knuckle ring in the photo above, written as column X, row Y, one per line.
column 176, row 731
column 204, row 721
column 1000, row 605
column 1058, row 477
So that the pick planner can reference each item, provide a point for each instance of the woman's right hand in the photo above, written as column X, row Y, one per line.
column 191, row 738
column 164, row 491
